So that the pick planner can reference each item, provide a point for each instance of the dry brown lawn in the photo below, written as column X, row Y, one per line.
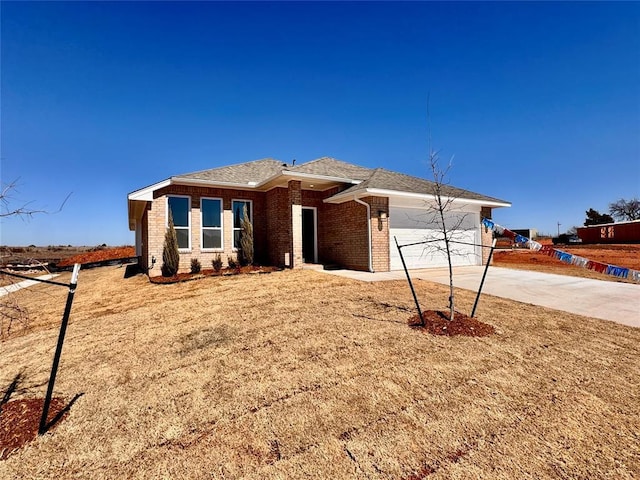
column 299, row 374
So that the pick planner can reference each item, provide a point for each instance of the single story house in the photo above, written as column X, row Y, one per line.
column 323, row 211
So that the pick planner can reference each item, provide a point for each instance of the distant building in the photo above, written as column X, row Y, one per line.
column 530, row 233
column 619, row 232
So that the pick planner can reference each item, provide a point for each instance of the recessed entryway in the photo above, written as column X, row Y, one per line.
column 309, row 234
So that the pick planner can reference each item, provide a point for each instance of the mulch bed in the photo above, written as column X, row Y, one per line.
column 437, row 323
column 20, row 419
column 186, row 276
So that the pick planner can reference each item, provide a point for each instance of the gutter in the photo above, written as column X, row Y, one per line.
column 357, row 200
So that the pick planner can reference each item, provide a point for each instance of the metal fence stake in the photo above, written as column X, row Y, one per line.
column 415, row 298
column 484, row 274
column 42, row 429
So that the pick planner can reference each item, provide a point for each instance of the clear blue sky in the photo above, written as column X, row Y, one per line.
column 538, row 102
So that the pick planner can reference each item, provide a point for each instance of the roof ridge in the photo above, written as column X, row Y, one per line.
column 231, row 165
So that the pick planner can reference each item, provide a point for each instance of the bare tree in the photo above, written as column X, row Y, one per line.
column 11, row 311
column 446, row 218
column 7, row 203
column 625, row 209
column 10, row 206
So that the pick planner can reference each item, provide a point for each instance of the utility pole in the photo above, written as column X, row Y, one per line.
column 559, row 228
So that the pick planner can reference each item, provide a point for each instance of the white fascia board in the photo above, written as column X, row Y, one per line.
column 312, row 176
column 378, row 192
column 210, row 183
column 146, row 193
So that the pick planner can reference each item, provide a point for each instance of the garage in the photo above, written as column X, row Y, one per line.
column 412, row 225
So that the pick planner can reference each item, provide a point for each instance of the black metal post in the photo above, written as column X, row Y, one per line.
column 42, row 429
column 484, row 274
column 413, row 292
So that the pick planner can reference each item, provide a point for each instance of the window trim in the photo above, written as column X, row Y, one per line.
column 233, row 228
column 188, row 228
column 221, row 227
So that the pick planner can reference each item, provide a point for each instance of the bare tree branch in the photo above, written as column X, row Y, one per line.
column 625, row 209
column 8, row 200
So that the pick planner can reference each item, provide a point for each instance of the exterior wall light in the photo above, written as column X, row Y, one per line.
column 382, row 215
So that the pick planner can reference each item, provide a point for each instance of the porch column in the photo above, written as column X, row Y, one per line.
column 295, row 201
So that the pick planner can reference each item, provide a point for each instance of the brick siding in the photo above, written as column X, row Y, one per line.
column 486, row 234
column 277, row 223
column 157, row 214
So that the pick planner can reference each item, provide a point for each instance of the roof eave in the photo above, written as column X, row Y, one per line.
column 313, row 176
column 378, row 192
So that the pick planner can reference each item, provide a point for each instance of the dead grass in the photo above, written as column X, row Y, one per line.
column 298, row 374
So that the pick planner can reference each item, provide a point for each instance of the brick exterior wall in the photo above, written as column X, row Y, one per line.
column 486, row 234
column 342, row 234
column 295, row 202
column 157, row 215
column 345, row 241
column 277, row 222
column 379, row 232
column 278, row 227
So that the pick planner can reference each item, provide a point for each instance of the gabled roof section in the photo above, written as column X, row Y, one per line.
column 383, row 181
column 250, row 173
column 331, row 167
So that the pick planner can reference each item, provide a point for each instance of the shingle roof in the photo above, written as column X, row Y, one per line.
column 259, row 171
column 242, row 173
column 382, row 179
column 331, row 167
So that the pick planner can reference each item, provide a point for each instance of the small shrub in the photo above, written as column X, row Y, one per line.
column 233, row 263
column 217, row 263
column 245, row 255
column 195, row 265
column 170, row 254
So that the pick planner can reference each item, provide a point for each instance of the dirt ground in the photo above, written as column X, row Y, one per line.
column 627, row 256
column 299, row 374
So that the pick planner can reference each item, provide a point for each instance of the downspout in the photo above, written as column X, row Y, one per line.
column 357, row 200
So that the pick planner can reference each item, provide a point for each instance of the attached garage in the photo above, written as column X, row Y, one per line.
column 410, row 225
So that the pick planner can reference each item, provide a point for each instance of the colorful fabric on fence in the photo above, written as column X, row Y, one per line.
column 579, row 261
column 488, row 223
column 546, row 250
column 597, row 266
column 521, row 239
column 533, row 245
column 617, row 271
column 564, row 256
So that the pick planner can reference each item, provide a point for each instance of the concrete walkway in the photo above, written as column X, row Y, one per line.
column 23, row 284
column 618, row 302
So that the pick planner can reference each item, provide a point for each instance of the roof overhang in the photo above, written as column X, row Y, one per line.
column 138, row 198
column 378, row 192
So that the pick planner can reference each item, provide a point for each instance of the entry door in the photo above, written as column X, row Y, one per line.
column 309, row 235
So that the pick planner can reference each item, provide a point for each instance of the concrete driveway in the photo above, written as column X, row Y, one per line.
column 618, row 302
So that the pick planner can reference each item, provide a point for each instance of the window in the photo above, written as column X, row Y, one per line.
column 237, row 206
column 180, row 212
column 211, row 211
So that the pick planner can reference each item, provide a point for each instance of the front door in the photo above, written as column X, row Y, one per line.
column 309, row 235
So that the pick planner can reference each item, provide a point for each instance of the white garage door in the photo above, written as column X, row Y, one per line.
column 412, row 225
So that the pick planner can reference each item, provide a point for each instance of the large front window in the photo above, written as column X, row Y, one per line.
column 179, row 208
column 211, row 210
column 238, row 206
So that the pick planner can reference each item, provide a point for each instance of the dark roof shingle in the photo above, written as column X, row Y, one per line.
column 257, row 171
column 331, row 167
column 399, row 182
